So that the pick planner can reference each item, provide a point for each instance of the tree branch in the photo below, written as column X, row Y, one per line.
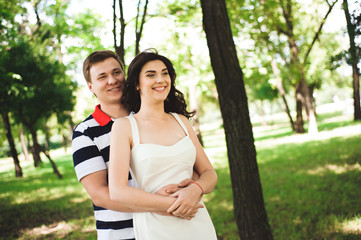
column 38, row 21
column 138, row 34
column 317, row 34
column 114, row 26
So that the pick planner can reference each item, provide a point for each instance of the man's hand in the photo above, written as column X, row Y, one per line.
column 185, row 183
column 167, row 190
column 188, row 200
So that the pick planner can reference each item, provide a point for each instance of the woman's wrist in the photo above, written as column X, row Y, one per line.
column 199, row 186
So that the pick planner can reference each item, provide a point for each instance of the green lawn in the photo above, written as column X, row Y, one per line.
column 310, row 186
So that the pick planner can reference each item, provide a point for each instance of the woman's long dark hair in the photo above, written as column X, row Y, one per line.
column 131, row 98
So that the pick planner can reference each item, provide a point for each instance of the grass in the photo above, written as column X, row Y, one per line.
column 310, row 188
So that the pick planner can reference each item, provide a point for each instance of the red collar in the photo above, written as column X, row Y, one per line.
column 100, row 116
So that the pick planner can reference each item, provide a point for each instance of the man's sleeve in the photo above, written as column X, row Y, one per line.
column 86, row 155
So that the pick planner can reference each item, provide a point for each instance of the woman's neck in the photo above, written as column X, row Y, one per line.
column 150, row 111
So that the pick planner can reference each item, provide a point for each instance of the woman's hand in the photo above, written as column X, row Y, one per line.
column 188, row 200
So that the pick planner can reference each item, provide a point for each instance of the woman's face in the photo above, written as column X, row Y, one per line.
column 154, row 82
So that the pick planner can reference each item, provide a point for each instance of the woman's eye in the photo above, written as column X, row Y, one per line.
column 150, row 75
column 165, row 73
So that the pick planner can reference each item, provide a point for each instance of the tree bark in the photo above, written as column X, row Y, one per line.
column 250, row 213
column 14, row 154
column 355, row 70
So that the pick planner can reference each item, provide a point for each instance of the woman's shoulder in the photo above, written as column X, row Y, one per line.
column 184, row 119
column 121, row 123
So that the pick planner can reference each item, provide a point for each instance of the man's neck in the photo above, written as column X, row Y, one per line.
column 114, row 110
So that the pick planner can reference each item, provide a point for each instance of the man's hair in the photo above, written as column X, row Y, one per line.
column 98, row 56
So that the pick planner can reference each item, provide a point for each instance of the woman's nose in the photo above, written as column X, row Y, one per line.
column 160, row 79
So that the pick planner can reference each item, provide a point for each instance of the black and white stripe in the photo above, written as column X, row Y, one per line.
column 91, row 154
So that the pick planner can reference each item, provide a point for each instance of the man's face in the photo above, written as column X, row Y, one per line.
column 107, row 81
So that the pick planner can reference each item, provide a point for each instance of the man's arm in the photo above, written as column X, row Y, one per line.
column 96, row 186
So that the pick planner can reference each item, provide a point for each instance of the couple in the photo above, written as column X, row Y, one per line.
column 154, row 149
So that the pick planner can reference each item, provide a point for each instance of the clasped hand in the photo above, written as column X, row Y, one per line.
column 188, row 199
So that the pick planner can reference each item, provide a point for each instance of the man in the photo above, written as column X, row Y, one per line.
column 103, row 72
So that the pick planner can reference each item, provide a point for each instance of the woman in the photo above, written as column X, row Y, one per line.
column 160, row 146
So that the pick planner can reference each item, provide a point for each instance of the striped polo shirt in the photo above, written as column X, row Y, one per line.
column 91, row 140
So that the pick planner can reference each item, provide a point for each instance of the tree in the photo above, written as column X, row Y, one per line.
column 185, row 25
column 14, row 154
column 44, row 90
column 351, row 27
column 250, row 213
column 140, row 20
column 287, row 31
column 7, row 99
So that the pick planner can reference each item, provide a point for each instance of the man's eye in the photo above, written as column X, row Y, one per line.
column 117, row 72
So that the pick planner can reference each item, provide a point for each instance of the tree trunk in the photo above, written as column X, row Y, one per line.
column 312, row 123
column 14, row 154
column 36, row 149
column 139, row 30
column 70, row 126
column 355, row 70
column 250, row 213
column 302, row 92
column 65, row 142
column 23, row 144
column 47, row 137
column 299, row 104
column 53, row 165
column 119, row 49
column 282, row 92
column 261, row 113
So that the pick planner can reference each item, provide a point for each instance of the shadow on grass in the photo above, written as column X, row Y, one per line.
column 40, row 200
column 15, row 218
column 271, row 134
column 311, row 189
column 332, row 125
column 220, row 206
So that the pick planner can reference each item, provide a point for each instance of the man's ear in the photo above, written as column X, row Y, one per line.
column 90, row 86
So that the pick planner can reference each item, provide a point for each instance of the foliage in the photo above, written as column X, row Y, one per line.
column 261, row 24
column 35, row 69
column 43, row 88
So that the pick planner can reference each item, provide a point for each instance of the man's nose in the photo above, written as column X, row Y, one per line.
column 112, row 79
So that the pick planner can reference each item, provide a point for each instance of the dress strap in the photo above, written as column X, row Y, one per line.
column 176, row 116
column 135, row 132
